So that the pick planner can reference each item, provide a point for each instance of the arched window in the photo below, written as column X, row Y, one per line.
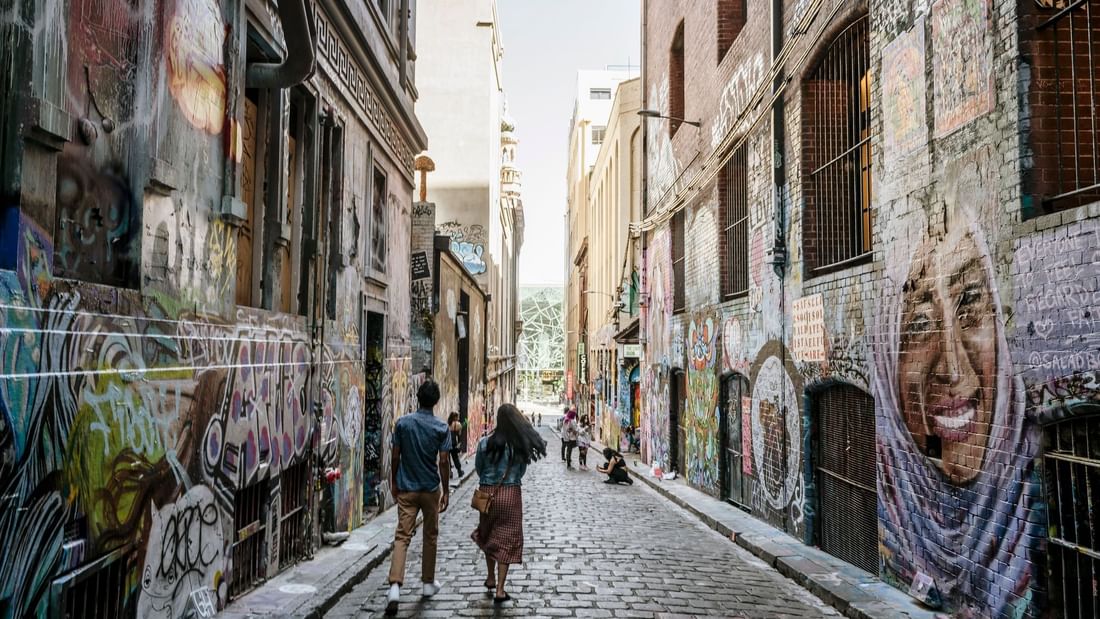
column 836, row 154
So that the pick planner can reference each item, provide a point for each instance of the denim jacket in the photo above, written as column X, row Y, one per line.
column 490, row 472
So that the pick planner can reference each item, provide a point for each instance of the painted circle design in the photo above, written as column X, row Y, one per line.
column 773, row 391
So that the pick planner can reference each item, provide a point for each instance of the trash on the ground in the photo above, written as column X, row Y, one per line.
column 669, row 475
column 334, row 539
column 656, row 471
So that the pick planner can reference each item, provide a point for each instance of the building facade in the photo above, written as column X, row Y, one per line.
column 869, row 283
column 475, row 188
column 615, row 200
column 592, row 110
column 542, row 347
column 204, row 281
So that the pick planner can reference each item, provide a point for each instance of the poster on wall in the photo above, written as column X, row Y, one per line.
column 808, row 343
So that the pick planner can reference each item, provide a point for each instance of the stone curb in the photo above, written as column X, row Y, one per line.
column 332, row 585
column 854, row 593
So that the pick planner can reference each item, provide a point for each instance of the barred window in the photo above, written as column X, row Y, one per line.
column 598, row 131
column 1064, row 53
column 678, row 298
column 836, row 143
column 733, row 195
column 732, row 15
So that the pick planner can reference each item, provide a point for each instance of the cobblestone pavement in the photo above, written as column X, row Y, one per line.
column 592, row 550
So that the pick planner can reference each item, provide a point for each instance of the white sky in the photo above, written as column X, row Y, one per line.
column 545, row 43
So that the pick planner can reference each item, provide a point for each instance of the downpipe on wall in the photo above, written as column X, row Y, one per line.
column 300, row 38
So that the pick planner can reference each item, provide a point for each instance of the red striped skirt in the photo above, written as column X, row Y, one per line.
column 499, row 533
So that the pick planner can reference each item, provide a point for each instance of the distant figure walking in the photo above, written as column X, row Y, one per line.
column 501, row 462
column 420, row 477
column 454, row 425
column 539, row 414
column 615, row 469
column 569, row 436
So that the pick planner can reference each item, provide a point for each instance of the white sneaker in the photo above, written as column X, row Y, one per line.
column 391, row 599
column 431, row 588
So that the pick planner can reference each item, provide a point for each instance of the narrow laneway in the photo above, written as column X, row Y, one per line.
column 594, row 550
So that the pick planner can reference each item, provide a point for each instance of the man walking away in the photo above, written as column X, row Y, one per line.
column 419, row 476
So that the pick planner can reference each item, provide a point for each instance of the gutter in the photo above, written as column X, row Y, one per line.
column 300, row 37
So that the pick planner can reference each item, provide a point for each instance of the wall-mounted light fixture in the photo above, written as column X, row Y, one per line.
column 656, row 114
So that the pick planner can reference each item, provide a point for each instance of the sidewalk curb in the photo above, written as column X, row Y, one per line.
column 332, row 586
column 851, row 591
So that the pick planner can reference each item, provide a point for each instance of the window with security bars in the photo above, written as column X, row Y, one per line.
column 247, row 551
column 1071, row 463
column 836, row 146
column 1063, row 49
column 676, row 81
column 733, row 195
column 844, row 446
column 679, row 303
column 99, row 590
column 294, row 500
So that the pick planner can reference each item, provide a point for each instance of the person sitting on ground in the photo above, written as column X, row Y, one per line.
column 615, row 469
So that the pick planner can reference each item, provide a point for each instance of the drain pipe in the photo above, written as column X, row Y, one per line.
column 299, row 34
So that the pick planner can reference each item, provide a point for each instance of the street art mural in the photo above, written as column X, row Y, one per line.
column 468, row 243
column 959, row 493
column 776, row 427
column 962, row 68
column 701, row 412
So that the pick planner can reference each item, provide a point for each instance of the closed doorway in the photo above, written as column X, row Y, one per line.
column 847, row 523
column 677, row 390
column 735, row 469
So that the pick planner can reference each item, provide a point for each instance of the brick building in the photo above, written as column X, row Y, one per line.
column 204, row 292
column 870, row 283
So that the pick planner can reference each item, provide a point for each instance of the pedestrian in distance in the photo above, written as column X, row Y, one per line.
column 564, row 414
column 420, row 477
column 454, row 425
column 501, row 462
column 539, row 414
column 569, row 436
column 615, row 469
column 584, row 441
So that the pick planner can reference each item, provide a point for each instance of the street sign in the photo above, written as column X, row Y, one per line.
column 632, row 351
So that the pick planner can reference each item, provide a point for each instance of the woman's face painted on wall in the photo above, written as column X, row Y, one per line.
column 947, row 364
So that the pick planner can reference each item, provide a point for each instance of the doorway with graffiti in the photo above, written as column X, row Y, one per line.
column 373, row 422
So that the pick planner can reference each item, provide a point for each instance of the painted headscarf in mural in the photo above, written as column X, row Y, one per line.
column 954, row 449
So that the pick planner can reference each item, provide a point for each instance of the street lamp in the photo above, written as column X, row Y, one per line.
column 656, row 114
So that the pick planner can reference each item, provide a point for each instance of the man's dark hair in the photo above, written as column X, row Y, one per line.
column 428, row 394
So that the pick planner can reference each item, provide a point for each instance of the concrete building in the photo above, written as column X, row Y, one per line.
column 476, row 184
column 204, row 278
column 587, row 129
column 870, row 283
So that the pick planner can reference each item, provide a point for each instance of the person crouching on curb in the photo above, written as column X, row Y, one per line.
column 420, row 478
column 615, row 469
column 501, row 461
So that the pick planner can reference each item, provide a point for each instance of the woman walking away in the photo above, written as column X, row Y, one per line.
column 454, row 424
column 584, row 441
column 569, row 436
column 501, row 461
column 615, row 468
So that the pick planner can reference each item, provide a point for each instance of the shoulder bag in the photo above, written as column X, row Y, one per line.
column 483, row 499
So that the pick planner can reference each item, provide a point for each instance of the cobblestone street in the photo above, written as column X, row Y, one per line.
column 592, row 550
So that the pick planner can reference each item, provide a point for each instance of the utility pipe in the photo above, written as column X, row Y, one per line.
column 301, row 51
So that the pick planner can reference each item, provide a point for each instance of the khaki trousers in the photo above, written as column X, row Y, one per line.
column 408, row 505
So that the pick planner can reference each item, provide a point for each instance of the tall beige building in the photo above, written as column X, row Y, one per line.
column 475, row 185
column 604, row 180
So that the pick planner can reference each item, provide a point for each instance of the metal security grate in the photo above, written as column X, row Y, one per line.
column 100, row 590
column 1068, row 78
column 1072, row 470
column 848, row 522
column 294, row 495
column 838, row 151
column 737, row 482
column 249, row 561
column 735, row 225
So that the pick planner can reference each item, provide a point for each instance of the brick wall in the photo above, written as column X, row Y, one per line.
column 965, row 376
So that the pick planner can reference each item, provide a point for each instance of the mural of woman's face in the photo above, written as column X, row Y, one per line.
column 947, row 363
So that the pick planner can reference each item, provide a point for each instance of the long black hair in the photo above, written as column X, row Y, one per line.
column 453, row 418
column 513, row 430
